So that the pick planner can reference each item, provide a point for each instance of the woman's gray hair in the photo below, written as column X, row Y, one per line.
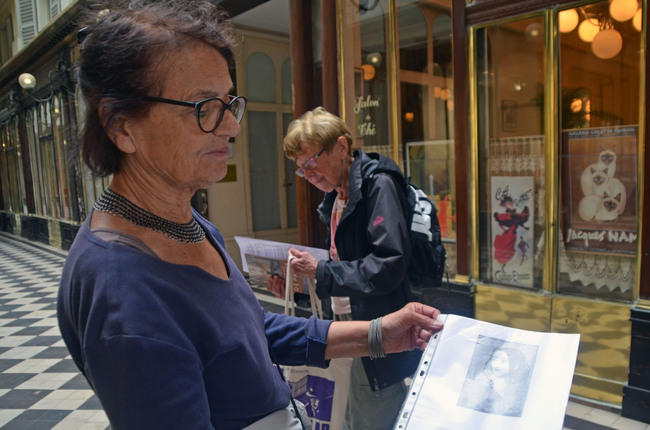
column 318, row 127
column 121, row 45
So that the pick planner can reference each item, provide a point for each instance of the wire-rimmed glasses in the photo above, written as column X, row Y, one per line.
column 310, row 164
column 209, row 112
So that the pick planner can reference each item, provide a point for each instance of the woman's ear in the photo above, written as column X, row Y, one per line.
column 118, row 130
column 342, row 146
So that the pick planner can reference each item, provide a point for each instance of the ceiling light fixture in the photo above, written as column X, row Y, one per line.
column 607, row 44
column 623, row 10
column 597, row 27
column 568, row 20
column 27, row 81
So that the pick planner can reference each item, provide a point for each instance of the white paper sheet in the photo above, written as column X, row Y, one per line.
column 478, row 375
column 272, row 249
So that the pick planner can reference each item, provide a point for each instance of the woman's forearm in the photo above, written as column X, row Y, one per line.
column 410, row 327
column 347, row 339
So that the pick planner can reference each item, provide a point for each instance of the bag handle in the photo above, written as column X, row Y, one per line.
column 289, row 304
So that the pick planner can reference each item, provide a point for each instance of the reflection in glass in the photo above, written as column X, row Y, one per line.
column 260, row 90
column 510, row 92
column 35, row 163
column 11, row 169
column 425, row 76
column 263, row 170
column 290, row 179
column 63, row 177
column 600, row 105
column 92, row 186
column 366, row 54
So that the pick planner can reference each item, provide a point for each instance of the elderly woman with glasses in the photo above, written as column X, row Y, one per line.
column 154, row 312
column 369, row 247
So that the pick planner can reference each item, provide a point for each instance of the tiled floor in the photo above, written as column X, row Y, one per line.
column 40, row 388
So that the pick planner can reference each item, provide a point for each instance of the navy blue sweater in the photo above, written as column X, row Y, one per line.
column 168, row 346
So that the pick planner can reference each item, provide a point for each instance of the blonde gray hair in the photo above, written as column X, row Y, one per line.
column 318, row 127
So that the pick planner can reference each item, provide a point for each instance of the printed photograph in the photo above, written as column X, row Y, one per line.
column 498, row 378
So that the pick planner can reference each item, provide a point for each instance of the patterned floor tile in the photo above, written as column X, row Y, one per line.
column 41, row 388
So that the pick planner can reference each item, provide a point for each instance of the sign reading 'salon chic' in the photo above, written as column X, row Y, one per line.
column 364, row 107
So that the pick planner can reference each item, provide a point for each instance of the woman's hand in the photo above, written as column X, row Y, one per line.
column 275, row 284
column 410, row 327
column 303, row 264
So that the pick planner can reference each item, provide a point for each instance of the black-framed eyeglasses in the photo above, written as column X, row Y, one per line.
column 209, row 112
column 310, row 164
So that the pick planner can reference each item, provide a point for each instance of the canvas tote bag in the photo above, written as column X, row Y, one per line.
column 323, row 391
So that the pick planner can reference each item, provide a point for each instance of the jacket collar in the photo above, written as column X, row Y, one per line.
column 362, row 166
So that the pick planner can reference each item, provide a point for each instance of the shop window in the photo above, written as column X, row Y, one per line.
column 287, row 92
column 92, row 186
column 63, row 194
column 426, row 107
column 366, row 32
column 264, row 174
column 510, row 135
column 260, row 90
column 289, row 164
column 11, row 169
column 272, row 177
column 35, row 156
column 290, row 179
column 48, row 159
column 600, row 68
column 413, row 39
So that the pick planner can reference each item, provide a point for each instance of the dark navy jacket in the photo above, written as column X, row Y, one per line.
column 372, row 240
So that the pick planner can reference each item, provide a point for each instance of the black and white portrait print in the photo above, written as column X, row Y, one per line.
column 498, row 377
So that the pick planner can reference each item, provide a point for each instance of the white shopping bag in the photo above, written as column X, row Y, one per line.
column 323, row 391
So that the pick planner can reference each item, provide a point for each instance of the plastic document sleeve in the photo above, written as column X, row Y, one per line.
column 475, row 374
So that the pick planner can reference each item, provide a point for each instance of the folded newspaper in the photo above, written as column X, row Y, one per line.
column 478, row 375
column 262, row 259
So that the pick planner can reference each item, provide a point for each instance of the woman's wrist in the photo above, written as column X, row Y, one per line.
column 375, row 342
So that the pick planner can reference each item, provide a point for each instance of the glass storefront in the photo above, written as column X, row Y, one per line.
column 366, row 56
column 268, row 113
column 599, row 80
column 590, row 150
column 399, row 94
column 92, row 185
column 556, row 95
column 511, row 164
column 11, row 169
column 48, row 159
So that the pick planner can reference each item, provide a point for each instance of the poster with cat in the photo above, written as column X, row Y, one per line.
column 599, row 193
column 513, row 212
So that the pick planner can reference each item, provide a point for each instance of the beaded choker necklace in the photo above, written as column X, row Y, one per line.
column 116, row 204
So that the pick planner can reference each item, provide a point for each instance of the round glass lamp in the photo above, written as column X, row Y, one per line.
column 636, row 20
column 568, row 20
column 368, row 72
column 27, row 81
column 623, row 10
column 587, row 30
column 607, row 44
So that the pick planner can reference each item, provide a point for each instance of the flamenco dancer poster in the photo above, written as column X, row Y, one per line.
column 512, row 230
